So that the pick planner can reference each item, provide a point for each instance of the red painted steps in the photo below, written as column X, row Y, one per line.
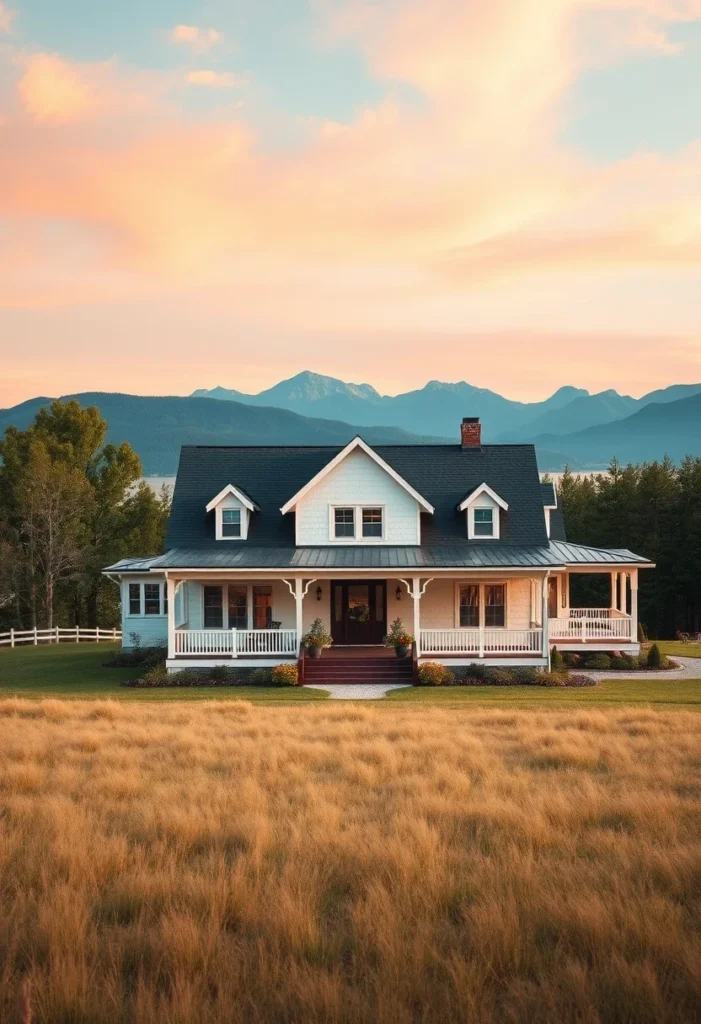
column 357, row 669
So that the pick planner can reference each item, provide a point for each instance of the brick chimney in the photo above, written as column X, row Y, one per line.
column 471, row 432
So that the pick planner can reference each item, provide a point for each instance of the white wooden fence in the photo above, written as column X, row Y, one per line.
column 57, row 635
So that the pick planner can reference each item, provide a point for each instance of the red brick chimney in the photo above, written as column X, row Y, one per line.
column 471, row 432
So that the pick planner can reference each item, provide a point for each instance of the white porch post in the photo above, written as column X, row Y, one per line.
column 544, row 619
column 634, row 606
column 170, row 590
column 416, row 595
column 299, row 610
column 624, row 593
column 614, row 590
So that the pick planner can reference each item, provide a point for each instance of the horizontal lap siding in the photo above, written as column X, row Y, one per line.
column 358, row 480
column 150, row 629
column 438, row 606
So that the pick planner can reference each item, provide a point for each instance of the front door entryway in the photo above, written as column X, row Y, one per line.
column 358, row 612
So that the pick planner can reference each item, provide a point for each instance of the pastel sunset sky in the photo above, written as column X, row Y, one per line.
column 227, row 192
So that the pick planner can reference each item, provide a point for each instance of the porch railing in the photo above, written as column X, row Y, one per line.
column 233, row 643
column 581, row 628
column 481, row 642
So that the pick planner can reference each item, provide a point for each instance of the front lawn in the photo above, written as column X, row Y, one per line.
column 674, row 649
column 76, row 670
column 671, row 693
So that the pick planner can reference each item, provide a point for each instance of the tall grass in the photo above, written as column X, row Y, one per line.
column 224, row 862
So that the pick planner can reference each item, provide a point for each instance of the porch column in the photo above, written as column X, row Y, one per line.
column 170, row 591
column 416, row 595
column 624, row 593
column 299, row 611
column 544, row 619
column 614, row 590
column 634, row 606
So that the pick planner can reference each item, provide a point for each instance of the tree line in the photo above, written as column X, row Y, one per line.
column 653, row 509
column 70, row 504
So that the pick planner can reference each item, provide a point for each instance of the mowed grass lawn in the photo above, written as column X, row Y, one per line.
column 224, row 861
column 76, row 670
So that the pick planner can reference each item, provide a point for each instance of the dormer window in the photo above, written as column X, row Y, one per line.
column 232, row 513
column 231, row 522
column 484, row 522
column 484, row 509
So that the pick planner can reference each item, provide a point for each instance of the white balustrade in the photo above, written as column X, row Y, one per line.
column 582, row 628
column 233, row 643
column 480, row 642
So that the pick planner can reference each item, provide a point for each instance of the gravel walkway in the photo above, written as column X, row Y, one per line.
column 373, row 691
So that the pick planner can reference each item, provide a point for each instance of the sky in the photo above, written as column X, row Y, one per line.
column 386, row 191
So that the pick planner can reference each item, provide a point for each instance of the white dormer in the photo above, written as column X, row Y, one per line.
column 484, row 508
column 232, row 510
column 549, row 508
column 357, row 499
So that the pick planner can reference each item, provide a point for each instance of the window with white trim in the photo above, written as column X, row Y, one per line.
column 484, row 522
column 147, row 599
column 231, row 522
column 481, row 605
column 135, row 599
column 372, row 522
column 344, row 522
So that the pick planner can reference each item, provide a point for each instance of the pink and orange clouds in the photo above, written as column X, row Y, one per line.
column 457, row 212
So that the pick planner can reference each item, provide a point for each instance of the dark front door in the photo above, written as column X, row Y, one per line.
column 358, row 612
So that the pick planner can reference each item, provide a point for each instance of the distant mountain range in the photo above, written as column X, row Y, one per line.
column 571, row 427
column 157, row 427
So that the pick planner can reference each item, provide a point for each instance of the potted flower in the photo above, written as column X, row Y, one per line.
column 399, row 638
column 316, row 638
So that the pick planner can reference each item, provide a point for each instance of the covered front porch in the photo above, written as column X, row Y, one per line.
column 505, row 617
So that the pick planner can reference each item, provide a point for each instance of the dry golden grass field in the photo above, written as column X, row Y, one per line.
column 229, row 862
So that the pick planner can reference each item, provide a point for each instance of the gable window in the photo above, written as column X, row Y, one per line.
column 495, row 605
column 231, row 522
column 344, row 522
column 484, row 522
column 213, row 608
column 470, row 606
column 372, row 522
column 135, row 599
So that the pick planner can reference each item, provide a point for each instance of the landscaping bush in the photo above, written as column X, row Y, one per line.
column 525, row 676
column 570, row 659
column 476, row 674
column 655, row 658
column 285, row 675
column 500, row 677
column 552, row 679
column 431, row 673
column 624, row 663
column 137, row 657
column 260, row 677
column 157, row 675
column 599, row 661
column 575, row 679
column 557, row 662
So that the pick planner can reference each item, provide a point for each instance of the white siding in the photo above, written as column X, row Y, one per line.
column 151, row 629
column 439, row 604
column 358, row 480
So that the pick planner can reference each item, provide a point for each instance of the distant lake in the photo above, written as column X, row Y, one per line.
column 156, row 482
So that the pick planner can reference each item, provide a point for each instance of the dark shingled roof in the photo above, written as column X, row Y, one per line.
column 443, row 474
column 549, row 495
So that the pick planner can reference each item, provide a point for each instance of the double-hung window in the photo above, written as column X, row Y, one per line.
column 152, row 599
column 213, row 608
column 231, row 522
column 344, row 522
column 135, row 599
column 372, row 522
column 482, row 604
column 484, row 522
column 148, row 599
column 495, row 605
column 470, row 606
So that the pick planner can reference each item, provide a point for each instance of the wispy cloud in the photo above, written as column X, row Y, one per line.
column 51, row 89
column 198, row 39
column 215, row 79
column 6, row 17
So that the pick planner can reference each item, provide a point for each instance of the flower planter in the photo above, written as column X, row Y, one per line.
column 314, row 652
column 401, row 651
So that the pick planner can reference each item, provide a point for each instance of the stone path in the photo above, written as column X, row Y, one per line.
column 358, row 691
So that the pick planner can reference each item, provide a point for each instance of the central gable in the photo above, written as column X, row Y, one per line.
column 357, row 488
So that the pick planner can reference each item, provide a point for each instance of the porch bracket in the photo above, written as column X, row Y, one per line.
column 299, row 591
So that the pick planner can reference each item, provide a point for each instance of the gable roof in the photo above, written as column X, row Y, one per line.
column 483, row 488
column 441, row 473
column 237, row 493
column 356, row 444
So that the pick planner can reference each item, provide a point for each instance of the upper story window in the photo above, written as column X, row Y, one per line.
column 344, row 522
column 372, row 522
column 357, row 522
column 484, row 522
column 231, row 522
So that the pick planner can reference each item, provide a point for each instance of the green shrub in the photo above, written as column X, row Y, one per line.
column 655, row 658
column 479, row 673
column 157, row 675
column 431, row 673
column 260, row 677
column 285, row 675
column 599, row 661
column 580, row 680
column 221, row 674
column 552, row 678
column 570, row 659
column 642, row 633
column 186, row 677
column 557, row 662
column 500, row 677
column 525, row 676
